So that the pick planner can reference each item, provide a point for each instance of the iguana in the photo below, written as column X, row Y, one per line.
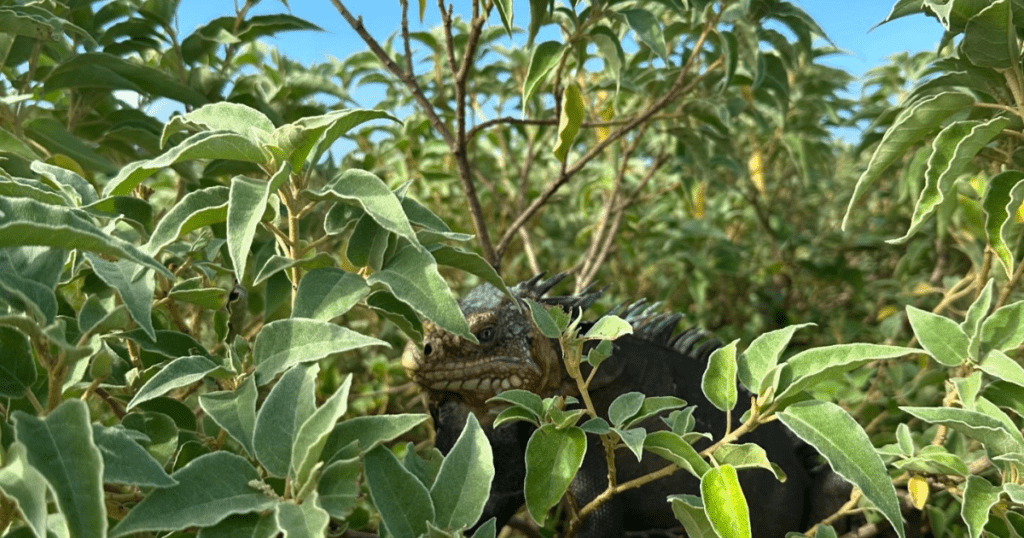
column 460, row 376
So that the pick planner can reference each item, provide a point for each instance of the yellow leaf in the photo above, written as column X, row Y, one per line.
column 606, row 113
column 1019, row 215
column 698, row 200
column 754, row 165
column 917, row 486
column 885, row 312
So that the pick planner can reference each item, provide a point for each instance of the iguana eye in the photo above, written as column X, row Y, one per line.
column 485, row 334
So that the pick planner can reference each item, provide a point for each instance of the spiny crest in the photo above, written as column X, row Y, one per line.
column 647, row 320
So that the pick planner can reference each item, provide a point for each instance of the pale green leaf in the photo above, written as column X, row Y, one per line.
column 327, row 293
column 724, row 503
column 1003, row 197
column 60, row 446
column 990, row 40
column 1000, row 366
column 203, row 145
column 719, row 380
column 570, row 119
column 134, row 286
column 312, row 435
column 912, row 124
column 689, row 510
column 369, row 431
column 247, row 202
column 210, row 488
column 979, row 498
column 21, row 483
column 125, row 461
column 338, row 488
column 837, row 437
column 954, row 148
column 235, row 411
column 180, row 372
column 402, row 500
column 813, row 365
column 552, row 458
column 197, row 209
column 747, row 456
column 672, row 447
column 763, row 354
column 412, row 276
column 18, row 367
column 1004, row 329
column 306, row 520
column 27, row 222
column 372, row 195
column 944, row 340
column 286, row 342
column 646, row 26
column 545, row 57
column 624, row 407
column 463, row 483
column 223, row 116
column 289, row 404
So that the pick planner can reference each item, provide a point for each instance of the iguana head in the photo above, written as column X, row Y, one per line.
column 511, row 353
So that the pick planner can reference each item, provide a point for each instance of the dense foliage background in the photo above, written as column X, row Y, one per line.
column 196, row 312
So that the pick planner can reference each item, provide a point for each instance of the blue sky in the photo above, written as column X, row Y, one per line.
column 847, row 23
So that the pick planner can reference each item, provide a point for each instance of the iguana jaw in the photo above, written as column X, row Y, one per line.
column 511, row 354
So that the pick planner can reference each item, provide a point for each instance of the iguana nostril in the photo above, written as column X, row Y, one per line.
column 427, row 349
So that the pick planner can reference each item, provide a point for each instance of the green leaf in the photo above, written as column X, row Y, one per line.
column 125, row 461
column 990, row 431
column 569, row 121
column 327, row 293
column 979, row 498
column 689, row 510
column 624, row 407
column 469, row 262
column 1003, row 196
column 463, row 483
column 673, row 448
column 263, row 525
column 762, row 355
column 18, row 367
column 809, row 367
column 837, row 437
column 372, row 195
column 543, row 320
column 286, row 342
column 235, row 411
column 647, row 28
column 911, row 125
column 1004, row 329
column 219, row 144
column 552, row 458
column 747, row 456
column 74, row 187
column 297, row 140
column 990, row 40
column 654, row 405
column 159, row 430
column 134, row 286
column 178, row 373
column 944, row 340
column 247, row 202
column 275, row 264
column 54, row 136
column 369, row 431
column 26, row 487
column 29, row 188
column 608, row 328
column 110, row 72
column 724, row 503
column 505, row 12
column 27, row 222
column 312, row 435
column 545, row 57
column 197, row 209
column 412, row 276
column 402, row 500
column 524, row 399
column 223, row 116
column 719, row 381
column 289, row 404
column 633, row 439
column 210, row 488
column 60, row 446
column 997, row 364
column 338, row 488
column 306, row 520
column 954, row 148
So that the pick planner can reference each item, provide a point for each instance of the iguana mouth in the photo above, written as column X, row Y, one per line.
column 483, row 377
